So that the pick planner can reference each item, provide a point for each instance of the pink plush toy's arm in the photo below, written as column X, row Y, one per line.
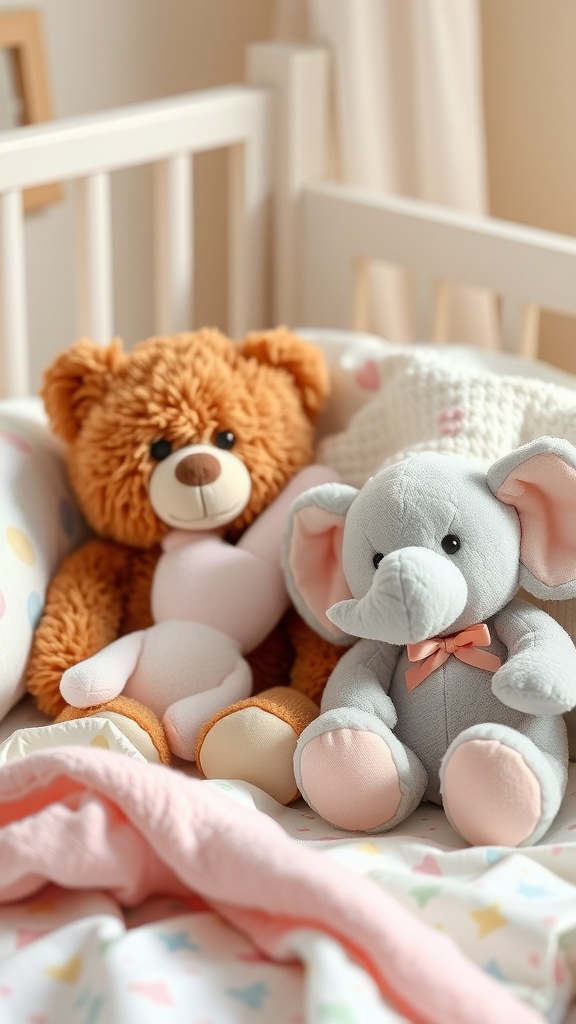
column 264, row 537
column 238, row 589
column 103, row 676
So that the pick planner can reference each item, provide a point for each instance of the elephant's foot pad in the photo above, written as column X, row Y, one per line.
column 99, row 731
column 349, row 777
column 254, row 746
column 490, row 794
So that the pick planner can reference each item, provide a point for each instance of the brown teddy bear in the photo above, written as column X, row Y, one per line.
column 125, row 418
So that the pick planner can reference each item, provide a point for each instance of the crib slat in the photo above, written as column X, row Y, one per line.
column 441, row 321
column 14, row 370
column 424, row 307
column 174, row 246
column 248, row 276
column 300, row 77
column 519, row 327
column 236, row 241
column 94, row 258
column 249, row 185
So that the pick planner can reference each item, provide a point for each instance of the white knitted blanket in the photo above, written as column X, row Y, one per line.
column 433, row 399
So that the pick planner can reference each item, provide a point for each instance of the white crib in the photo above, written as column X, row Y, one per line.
column 298, row 244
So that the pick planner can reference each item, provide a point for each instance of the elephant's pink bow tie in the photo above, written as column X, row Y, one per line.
column 434, row 652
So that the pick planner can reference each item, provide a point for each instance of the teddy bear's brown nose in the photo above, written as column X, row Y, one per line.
column 196, row 470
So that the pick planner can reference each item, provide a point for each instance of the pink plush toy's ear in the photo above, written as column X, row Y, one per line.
column 312, row 556
column 539, row 480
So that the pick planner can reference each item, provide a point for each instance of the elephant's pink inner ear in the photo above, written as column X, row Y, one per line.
column 316, row 561
column 543, row 492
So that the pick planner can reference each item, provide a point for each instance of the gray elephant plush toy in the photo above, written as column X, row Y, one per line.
column 455, row 691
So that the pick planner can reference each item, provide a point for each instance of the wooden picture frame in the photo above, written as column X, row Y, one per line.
column 21, row 33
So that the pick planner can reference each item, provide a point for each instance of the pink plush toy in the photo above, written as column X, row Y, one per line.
column 212, row 603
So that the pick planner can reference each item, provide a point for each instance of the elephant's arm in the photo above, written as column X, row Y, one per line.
column 539, row 675
column 362, row 679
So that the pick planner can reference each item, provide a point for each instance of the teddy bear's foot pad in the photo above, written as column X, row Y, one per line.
column 96, row 731
column 253, row 746
column 349, row 776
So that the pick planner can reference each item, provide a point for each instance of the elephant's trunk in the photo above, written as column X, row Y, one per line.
column 415, row 594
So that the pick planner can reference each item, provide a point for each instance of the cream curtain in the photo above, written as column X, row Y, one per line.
column 409, row 119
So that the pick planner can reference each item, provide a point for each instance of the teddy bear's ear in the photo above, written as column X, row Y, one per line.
column 76, row 379
column 300, row 358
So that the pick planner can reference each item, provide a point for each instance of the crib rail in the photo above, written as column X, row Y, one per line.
column 324, row 233
column 165, row 133
column 344, row 227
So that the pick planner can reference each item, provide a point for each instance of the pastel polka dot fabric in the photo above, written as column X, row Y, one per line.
column 39, row 524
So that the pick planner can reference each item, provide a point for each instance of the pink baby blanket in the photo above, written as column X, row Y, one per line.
column 88, row 818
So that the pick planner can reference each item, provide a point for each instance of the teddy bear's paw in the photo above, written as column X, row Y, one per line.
column 132, row 733
column 254, row 740
column 498, row 788
column 255, row 746
column 136, row 725
column 355, row 773
column 95, row 731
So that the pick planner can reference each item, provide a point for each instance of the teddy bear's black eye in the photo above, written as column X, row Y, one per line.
column 225, row 439
column 161, row 449
column 450, row 543
column 377, row 558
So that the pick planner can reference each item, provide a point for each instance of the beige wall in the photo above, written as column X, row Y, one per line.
column 106, row 53
column 530, row 95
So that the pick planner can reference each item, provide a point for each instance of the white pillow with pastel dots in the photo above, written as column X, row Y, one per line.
column 39, row 525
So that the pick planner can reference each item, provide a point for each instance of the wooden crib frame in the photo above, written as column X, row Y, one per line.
column 298, row 243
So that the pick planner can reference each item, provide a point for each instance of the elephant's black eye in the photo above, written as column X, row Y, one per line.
column 450, row 544
column 225, row 439
column 377, row 558
column 161, row 449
